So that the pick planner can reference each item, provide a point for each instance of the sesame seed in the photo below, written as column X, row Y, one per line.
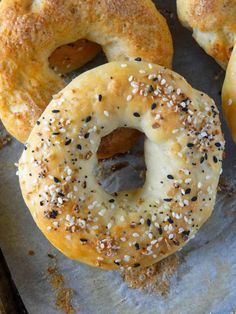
column 163, row 82
column 123, row 65
column 129, row 97
column 89, row 118
column 67, row 142
column 154, row 105
column 230, row 102
column 126, row 258
column 106, row 113
column 99, row 97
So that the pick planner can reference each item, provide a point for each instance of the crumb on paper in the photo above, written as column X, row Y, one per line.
column 154, row 279
column 5, row 138
column 63, row 295
column 218, row 75
column 226, row 187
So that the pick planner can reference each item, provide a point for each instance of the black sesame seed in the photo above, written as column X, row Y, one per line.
column 136, row 265
column 111, row 200
column 83, row 241
column 55, row 133
column 187, row 191
column 53, row 214
column 149, row 222
column 55, row 111
column 25, row 147
column 61, row 194
column 79, row 147
column 138, row 59
column 38, row 122
column 160, row 230
column 117, row 263
column 154, row 105
column 41, row 203
column 137, row 246
column 170, row 177
column 89, row 118
column 171, row 221
column 190, row 145
column 136, row 114
column 202, row 160
column 167, row 199
column 86, row 135
column 217, row 144
column 151, row 88
column 100, row 97
column 56, row 180
column 67, row 142
column 215, row 159
column 185, row 232
column 194, row 199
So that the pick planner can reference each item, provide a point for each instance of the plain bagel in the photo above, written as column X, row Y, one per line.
column 32, row 30
column 183, row 151
column 213, row 23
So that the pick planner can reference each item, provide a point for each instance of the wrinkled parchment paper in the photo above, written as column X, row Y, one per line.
column 205, row 282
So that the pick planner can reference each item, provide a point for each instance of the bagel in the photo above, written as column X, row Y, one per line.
column 183, row 151
column 68, row 58
column 213, row 23
column 32, row 30
column 229, row 95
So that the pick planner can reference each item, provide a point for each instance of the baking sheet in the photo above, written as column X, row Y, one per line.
column 205, row 281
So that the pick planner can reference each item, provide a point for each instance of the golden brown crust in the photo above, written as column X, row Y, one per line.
column 183, row 153
column 31, row 31
column 213, row 23
column 229, row 95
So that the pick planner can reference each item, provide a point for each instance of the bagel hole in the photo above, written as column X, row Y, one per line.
column 121, row 163
column 74, row 58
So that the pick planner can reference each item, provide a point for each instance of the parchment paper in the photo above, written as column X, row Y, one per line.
column 205, row 282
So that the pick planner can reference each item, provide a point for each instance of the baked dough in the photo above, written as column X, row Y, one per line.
column 213, row 23
column 183, row 152
column 68, row 58
column 32, row 30
column 229, row 94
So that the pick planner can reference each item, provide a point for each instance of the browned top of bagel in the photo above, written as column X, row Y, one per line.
column 32, row 30
column 213, row 23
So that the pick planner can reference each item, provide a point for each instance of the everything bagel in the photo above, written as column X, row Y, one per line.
column 183, row 152
column 32, row 30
